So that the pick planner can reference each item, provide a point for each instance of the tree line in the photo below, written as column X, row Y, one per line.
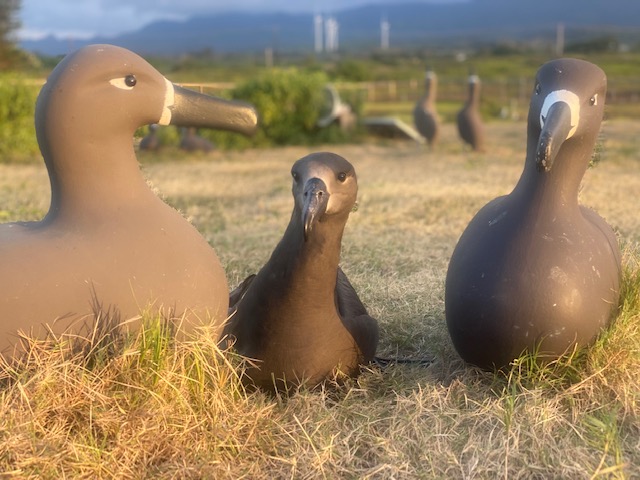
column 9, row 24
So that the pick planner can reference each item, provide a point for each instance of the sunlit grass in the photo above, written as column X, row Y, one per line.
column 146, row 406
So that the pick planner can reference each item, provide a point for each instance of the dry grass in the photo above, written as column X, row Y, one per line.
column 154, row 409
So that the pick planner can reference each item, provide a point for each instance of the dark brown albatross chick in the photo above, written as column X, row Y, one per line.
column 299, row 317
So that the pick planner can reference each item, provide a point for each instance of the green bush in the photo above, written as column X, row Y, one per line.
column 350, row 70
column 17, row 108
column 288, row 102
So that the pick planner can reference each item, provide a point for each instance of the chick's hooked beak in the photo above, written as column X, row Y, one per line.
column 315, row 203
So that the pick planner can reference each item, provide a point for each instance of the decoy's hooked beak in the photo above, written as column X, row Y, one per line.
column 186, row 108
column 315, row 203
column 559, row 120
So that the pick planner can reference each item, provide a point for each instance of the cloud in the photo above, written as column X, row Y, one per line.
column 85, row 18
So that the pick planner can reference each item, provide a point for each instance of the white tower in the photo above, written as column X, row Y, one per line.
column 317, row 32
column 385, row 29
column 560, row 39
column 331, row 34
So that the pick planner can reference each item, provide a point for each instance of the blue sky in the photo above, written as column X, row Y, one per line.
column 87, row 18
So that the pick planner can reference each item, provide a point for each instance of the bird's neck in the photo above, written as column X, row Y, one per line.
column 559, row 186
column 474, row 96
column 89, row 177
column 431, row 91
column 313, row 263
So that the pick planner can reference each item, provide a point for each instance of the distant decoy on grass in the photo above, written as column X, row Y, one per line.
column 151, row 141
column 190, row 141
column 469, row 120
column 107, row 239
column 336, row 111
column 425, row 116
column 299, row 318
column 535, row 271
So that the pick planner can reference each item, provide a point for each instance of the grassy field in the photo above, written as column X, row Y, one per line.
column 155, row 409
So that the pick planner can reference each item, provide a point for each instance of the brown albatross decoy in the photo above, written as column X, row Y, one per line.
column 107, row 238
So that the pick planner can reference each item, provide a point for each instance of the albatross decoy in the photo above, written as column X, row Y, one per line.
column 535, row 271
column 151, row 141
column 425, row 117
column 469, row 120
column 190, row 141
column 107, row 237
column 299, row 317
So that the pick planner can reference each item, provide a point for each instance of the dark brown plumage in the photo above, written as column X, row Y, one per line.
column 299, row 317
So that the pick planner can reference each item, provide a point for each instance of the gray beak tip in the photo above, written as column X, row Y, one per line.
column 315, row 204
column 193, row 109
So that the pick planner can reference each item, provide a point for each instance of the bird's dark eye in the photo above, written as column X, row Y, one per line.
column 124, row 83
column 593, row 100
column 342, row 176
column 538, row 89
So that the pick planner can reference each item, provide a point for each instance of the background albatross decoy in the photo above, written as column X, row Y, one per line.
column 425, row 117
column 469, row 121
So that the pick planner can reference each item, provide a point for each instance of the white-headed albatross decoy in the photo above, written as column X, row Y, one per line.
column 469, row 120
column 535, row 271
column 425, row 116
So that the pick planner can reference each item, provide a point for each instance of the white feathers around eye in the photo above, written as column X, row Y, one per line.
column 567, row 97
column 120, row 83
column 169, row 100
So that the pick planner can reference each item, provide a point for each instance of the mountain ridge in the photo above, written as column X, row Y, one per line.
column 412, row 25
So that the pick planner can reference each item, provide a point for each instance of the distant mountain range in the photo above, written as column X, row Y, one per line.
column 411, row 25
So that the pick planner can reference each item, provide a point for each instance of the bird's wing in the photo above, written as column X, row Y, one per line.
column 237, row 293
column 362, row 327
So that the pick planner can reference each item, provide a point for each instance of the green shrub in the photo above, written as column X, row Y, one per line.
column 288, row 102
column 17, row 108
column 350, row 70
